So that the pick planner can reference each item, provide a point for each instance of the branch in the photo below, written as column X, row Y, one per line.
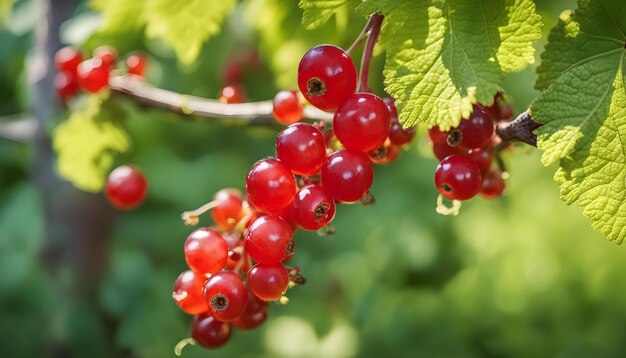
column 190, row 106
column 21, row 129
column 521, row 129
column 374, row 24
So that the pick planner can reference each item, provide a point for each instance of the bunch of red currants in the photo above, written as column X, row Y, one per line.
column 90, row 75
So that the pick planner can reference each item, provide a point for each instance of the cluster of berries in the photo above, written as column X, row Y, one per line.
column 313, row 170
column 90, row 75
column 466, row 154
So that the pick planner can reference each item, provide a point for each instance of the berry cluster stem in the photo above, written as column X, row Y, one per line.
column 375, row 22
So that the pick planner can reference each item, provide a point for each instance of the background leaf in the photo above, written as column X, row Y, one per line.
column 317, row 12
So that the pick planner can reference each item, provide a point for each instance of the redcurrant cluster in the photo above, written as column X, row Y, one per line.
column 238, row 266
column 90, row 75
column 466, row 154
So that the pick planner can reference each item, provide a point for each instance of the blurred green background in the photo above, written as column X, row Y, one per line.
column 522, row 276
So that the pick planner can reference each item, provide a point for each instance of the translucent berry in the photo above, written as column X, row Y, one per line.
column 268, row 282
column 301, row 147
column 188, row 292
column 206, row 251
column 226, row 296
column 136, row 64
column 397, row 134
column 232, row 94
column 347, row 175
column 267, row 239
column 209, row 332
column 313, row 207
column 474, row 132
column 457, row 177
column 107, row 54
column 326, row 76
column 270, row 185
column 385, row 154
column 228, row 210
column 126, row 187
column 254, row 315
column 442, row 150
column 66, row 84
column 287, row 214
column 286, row 107
column 67, row 59
column 361, row 123
column 483, row 157
column 493, row 184
column 93, row 75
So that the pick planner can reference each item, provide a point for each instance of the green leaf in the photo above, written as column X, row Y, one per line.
column 442, row 56
column 120, row 16
column 186, row 24
column 318, row 12
column 583, row 109
column 5, row 10
column 87, row 143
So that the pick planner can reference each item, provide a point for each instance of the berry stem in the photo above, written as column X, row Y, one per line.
column 364, row 33
column 375, row 23
column 191, row 217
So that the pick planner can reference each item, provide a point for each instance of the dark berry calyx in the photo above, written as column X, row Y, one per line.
column 219, row 302
column 455, row 137
column 290, row 248
column 446, row 187
column 321, row 211
column 316, row 87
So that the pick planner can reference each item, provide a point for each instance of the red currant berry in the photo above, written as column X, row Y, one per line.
column 93, row 75
column 313, row 207
column 493, row 184
column 482, row 157
column 458, row 178
column 287, row 108
column 347, row 175
column 361, row 123
column 442, row 150
column 232, row 94
column 270, row 185
column 386, row 154
column 255, row 313
column 232, row 72
column 326, row 76
column 188, row 292
column 437, row 136
column 67, row 59
column 226, row 296
column 397, row 134
column 66, row 84
column 107, row 54
column 228, row 210
column 209, row 332
column 286, row 214
column 267, row 239
column 268, row 282
column 136, row 64
column 206, row 251
column 301, row 147
column 475, row 132
column 126, row 187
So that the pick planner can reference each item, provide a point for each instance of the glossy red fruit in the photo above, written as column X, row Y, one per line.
column 228, row 209
column 268, row 282
column 301, row 147
column 286, row 214
column 361, row 123
column 136, row 64
column 347, row 175
column 442, row 150
column 126, row 187
column 93, row 75
column 397, row 134
column 287, row 108
column 313, row 207
column 107, row 54
column 493, row 184
column 477, row 130
column 386, row 154
column 483, row 157
column 188, row 292
column 270, row 185
column 206, row 251
column 457, row 177
column 326, row 76
column 437, row 136
column 254, row 315
column 226, row 295
column 267, row 239
column 232, row 94
column 67, row 59
column 66, row 84
column 209, row 332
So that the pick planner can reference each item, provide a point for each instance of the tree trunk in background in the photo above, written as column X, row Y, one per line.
column 77, row 224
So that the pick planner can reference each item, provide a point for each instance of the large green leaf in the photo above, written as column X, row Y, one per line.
column 442, row 56
column 583, row 109
column 317, row 12
column 87, row 144
column 120, row 16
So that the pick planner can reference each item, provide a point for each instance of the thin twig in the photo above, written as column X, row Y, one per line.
column 376, row 22
column 192, row 107
column 364, row 33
